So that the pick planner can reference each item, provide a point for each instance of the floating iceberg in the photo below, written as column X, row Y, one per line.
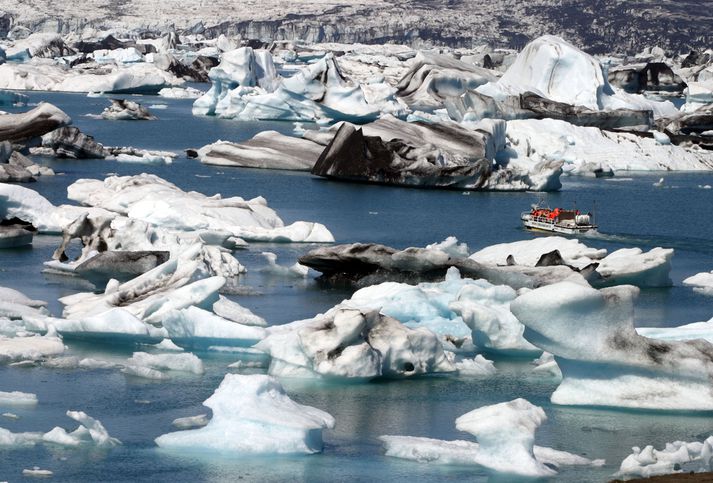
column 353, row 344
column 625, row 266
column 155, row 201
column 195, row 327
column 604, row 362
column 253, row 415
column 247, row 86
column 267, row 149
column 17, row 398
column 455, row 309
column 13, row 349
column 90, row 431
column 701, row 282
column 676, row 457
column 506, row 435
column 123, row 110
column 587, row 150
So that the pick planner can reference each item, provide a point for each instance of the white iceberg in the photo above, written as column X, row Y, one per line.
column 676, row 457
column 604, row 362
column 17, row 398
column 701, row 282
column 155, row 201
column 253, row 415
column 348, row 343
column 506, row 435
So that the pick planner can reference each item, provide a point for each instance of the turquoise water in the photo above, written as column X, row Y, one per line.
column 631, row 212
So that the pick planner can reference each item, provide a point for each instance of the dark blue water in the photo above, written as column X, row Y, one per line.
column 631, row 212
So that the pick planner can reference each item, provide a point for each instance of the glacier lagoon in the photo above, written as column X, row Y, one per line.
column 631, row 212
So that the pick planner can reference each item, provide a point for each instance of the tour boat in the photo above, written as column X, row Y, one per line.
column 569, row 222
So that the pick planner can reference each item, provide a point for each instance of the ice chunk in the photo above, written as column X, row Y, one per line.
column 296, row 270
column 676, row 457
column 90, row 431
column 157, row 202
column 235, row 312
column 252, row 414
column 477, row 366
column 505, row 433
column 17, row 398
column 604, row 362
column 696, row 330
column 144, row 372
column 37, row 472
column 29, row 348
column 191, row 422
column 185, row 362
column 353, row 343
column 636, row 267
column 10, row 439
column 529, row 252
column 701, row 282
column 195, row 327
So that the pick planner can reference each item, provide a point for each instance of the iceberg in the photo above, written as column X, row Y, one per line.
column 350, row 343
column 155, row 201
column 245, row 85
column 17, row 398
column 267, row 149
column 701, row 282
column 506, row 435
column 252, row 414
column 624, row 266
column 13, row 349
column 604, row 362
column 123, row 110
column 676, row 457
column 587, row 150
column 433, row 78
column 184, row 362
column 455, row 309
column 90, row 431
column 195, row 327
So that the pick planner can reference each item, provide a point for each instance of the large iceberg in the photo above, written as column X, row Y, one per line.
column 506, row 435
column 604, row 362
column 455, row 309
column 624, row 266
column 155, row 201
column 349, row 343
column 246, row 86
column 252, row 414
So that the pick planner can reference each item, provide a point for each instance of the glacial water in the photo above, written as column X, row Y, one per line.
column 629, row 209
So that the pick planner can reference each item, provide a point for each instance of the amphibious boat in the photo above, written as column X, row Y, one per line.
column 558, row 220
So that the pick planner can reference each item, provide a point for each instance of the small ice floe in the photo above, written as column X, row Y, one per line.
column 191, row 422
column 506, row 436
column 477, row 366
column 123, row 110
column 184, row 362
column 701, row 282
column 295, row 271
column 604, row 361
column 12, row 416
column 252, row 414
column 659, row 183
column 36, row 472
column 90, row 431
column 676, row 458
column 17, row 398
column 705, row 186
